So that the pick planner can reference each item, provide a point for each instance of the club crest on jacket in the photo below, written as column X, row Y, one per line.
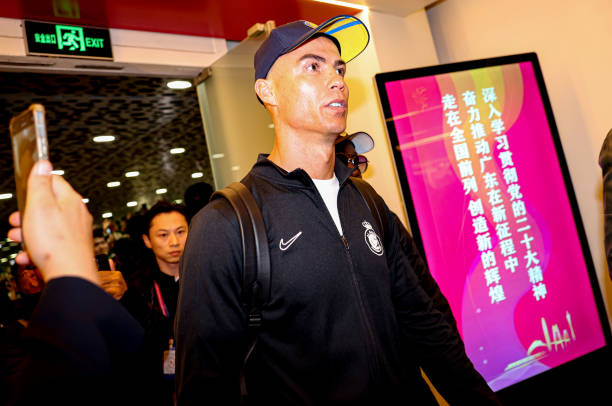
column 372, row 239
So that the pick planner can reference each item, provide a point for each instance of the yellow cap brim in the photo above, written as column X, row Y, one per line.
column 350, row 32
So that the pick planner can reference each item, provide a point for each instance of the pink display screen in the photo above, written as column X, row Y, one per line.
column 491, row 205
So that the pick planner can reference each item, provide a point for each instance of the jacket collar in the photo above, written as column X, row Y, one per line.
column 298, row 177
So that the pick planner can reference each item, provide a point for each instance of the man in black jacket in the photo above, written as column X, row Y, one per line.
column 344, row 323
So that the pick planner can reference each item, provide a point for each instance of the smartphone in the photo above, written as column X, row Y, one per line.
column 102, row 262
column 29, row 141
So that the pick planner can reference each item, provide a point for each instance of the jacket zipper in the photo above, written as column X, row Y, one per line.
column 374, row 367
column 345, row 241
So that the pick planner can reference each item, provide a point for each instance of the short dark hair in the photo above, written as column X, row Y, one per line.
column 162, row 206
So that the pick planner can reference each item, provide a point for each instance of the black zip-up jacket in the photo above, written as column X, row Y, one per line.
column 345, row 324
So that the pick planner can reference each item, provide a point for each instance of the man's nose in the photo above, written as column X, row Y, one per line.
column 337, row 82
column 174, row 240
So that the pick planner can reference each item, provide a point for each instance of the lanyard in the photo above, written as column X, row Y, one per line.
column 160, row 299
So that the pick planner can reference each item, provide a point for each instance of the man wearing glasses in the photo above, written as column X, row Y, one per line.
column 344, row 323
column 349, row 149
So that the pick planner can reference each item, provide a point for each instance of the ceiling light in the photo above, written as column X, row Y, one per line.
column 5, row 196
column 196, row 175
column 132, row 204
column 179, row 84
column 132, row 174
column 104, row 138
column 161, row 191
column 344, row 4
column 235, row 168
column 57, row 172
column 178, row 201
column 219, row 155
column 177, row 150
column 106, row 215
column 85, row 200
column 113, row 184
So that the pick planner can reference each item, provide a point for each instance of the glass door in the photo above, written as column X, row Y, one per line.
column 237, row 126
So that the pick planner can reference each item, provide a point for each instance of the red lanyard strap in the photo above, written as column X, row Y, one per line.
column 160, row 299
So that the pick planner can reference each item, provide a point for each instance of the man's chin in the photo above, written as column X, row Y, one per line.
column 172, row 260
column 339, row 127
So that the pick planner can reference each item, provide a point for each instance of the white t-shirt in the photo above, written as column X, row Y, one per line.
column 328, row 188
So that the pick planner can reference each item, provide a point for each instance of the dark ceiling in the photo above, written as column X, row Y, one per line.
column 147, row 118
column 229, row 19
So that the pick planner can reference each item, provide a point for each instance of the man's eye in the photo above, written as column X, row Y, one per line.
column 341, row 71
column 312, row 67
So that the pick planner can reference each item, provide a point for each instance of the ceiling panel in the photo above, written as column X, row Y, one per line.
column 229, row 19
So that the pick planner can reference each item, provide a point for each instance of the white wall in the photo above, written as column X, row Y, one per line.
column 396, row 43
column 572, row 40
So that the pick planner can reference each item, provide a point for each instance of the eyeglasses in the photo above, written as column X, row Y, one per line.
column 354, row 161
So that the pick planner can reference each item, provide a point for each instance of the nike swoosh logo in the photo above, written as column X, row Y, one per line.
column 285, row 245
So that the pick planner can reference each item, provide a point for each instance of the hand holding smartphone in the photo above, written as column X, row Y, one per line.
column 29, row 141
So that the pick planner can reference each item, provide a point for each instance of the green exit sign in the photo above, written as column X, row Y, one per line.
column 67, row 40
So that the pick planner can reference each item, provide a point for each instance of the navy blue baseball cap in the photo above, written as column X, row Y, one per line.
column 348, row 33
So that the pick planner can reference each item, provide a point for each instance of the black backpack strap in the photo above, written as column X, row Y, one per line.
column 255, row 252
column 375, row 204
column 255, row 261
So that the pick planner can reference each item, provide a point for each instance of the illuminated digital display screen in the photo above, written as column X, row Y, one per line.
column 491, row 205
column 67, row 40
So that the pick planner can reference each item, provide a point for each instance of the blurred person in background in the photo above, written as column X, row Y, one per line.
column 101, row 246
column 112, row 232
column 111, row 279
column 16, row 311
column 133, row 258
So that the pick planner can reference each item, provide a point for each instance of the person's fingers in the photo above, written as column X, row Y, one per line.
column 70, row 201
column 15, row 219
column 15, row 234
column 66, row 196
column 104, row 276
column 39, row 185
column 109, row 280
column 22, row 258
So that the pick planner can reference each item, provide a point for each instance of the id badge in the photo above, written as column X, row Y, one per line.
column 169, row 361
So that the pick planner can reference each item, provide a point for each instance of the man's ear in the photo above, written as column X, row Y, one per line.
column 146, row 240
column 265, row 90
